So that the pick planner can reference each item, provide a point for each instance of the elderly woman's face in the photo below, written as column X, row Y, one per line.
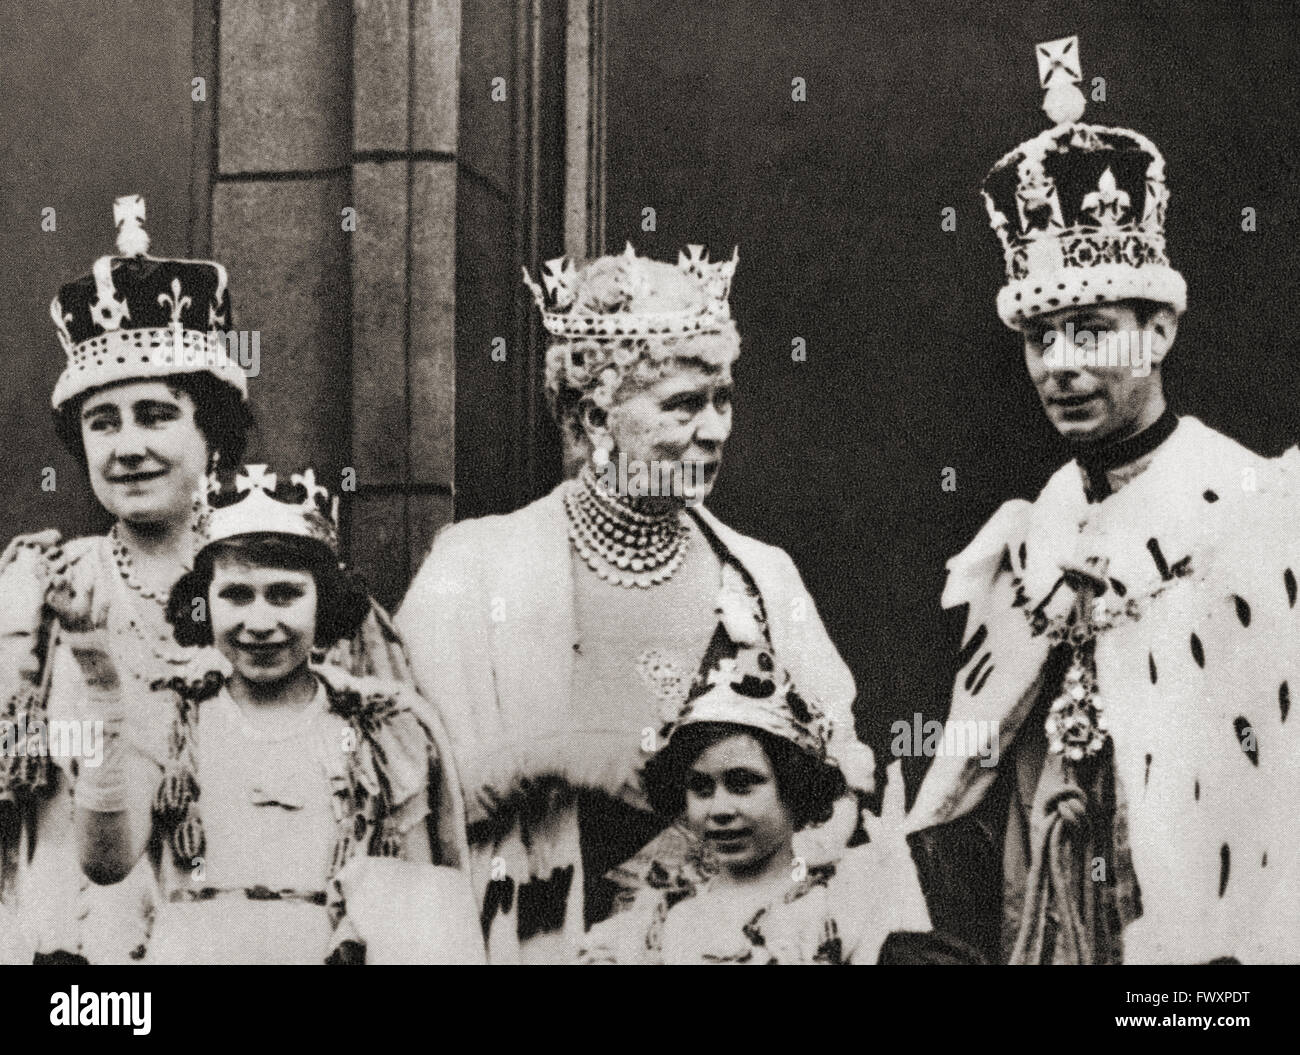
column 683, row 417
column 145, row 452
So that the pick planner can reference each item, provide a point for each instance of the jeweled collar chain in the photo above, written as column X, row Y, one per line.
column 623, row 545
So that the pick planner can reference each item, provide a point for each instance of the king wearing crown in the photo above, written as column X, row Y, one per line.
column 1133, row 632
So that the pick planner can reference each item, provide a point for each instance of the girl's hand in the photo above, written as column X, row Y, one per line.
column 37, row 540
column 83, row 627
column 77, row 610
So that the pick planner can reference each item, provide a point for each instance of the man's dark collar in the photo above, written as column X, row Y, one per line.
column 1097, row 461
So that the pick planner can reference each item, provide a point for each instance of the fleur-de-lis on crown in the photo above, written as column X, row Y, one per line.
column 61, row 321
column 255, row 476
column 1108, row 203
column 307, row 480
column 177, row 302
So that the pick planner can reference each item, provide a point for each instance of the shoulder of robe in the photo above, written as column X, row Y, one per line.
column 35, row 567
column 484, row 534
column 971, row 571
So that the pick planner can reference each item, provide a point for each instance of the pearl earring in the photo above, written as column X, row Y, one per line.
column 600, row 456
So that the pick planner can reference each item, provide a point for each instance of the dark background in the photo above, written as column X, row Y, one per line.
column 836, row 206
column 94, row 102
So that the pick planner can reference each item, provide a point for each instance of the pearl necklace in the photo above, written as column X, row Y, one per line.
column 143, row 634
column 621, row 545
column 126, row 568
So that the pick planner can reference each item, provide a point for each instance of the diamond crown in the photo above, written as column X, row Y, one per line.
column 567, row 315
column 260, row 503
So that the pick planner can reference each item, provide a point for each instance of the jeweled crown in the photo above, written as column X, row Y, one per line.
column 1079, row 208
column 611, row 301
column 137, row 316
column 260, row 502
column 743, row 685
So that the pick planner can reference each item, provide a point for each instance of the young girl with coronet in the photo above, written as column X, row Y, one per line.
column 292, row 810
column 745, row 766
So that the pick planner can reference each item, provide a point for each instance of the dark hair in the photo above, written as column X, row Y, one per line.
column 808, row 786
column 342, row 602
column 220, row 413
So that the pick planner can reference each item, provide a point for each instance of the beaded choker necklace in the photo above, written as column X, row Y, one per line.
column 620, row 544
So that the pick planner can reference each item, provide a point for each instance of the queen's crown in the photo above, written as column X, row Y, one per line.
column 618, row 297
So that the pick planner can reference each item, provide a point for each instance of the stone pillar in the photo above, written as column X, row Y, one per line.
column 328, row 106
column 403, row 325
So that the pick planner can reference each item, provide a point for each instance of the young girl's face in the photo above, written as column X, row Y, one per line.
column 732, row 803
column 263, row 619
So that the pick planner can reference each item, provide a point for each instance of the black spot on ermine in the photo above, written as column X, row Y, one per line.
column 1210, row 496
column 1198, row 652
column 1151, row 667
column 975, row 670
column 1284, row 699
column 1162, row 565
column 1225, row 859
column 972, row 646
column 1243, row 610
column 1146, row 775
column 1196, row 791
column 1288, row 577
column 1246, row 737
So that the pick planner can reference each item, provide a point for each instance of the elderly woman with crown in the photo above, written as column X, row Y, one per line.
column 1133, row 633
column 148, row 402
column 552, row 639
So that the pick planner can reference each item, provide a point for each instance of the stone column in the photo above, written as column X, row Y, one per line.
column 334, row 208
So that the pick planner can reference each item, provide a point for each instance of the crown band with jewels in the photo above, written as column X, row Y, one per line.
column 565, row 319
column 259, row 504
column 1079, row 209
column 136, row 317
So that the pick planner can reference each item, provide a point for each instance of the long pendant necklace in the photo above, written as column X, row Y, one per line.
column 141, row 628
column 620, row 544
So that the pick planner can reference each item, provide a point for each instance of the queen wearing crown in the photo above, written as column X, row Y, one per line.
column 555, row 639
column 293, row 801
column 147, row 402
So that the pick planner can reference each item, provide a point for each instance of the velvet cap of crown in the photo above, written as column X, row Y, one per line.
column 260, row 502
column 136, row 316
column 1079, row 208
column 742, row 685
column 627, row 295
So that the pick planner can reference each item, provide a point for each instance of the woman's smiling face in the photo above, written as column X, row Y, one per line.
column 145, row 453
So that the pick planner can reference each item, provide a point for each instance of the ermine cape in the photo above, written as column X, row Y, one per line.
column 1195, row 672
